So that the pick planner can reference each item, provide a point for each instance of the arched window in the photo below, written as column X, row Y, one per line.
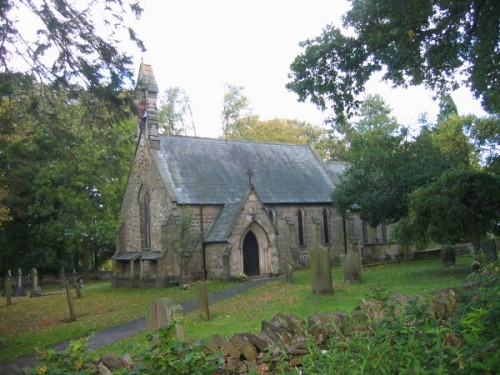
column 326, row 229
column 300, row 228
column 145, row 218
column 272, row 215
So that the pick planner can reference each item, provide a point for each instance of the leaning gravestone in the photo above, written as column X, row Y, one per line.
column 489, row 249
column 351, row 267
column 321, row 273
column 201, row 291
column 8, row 288
column 19, row 291
column 161, row 312
column 449, row 256
column 288, row 273
column 36, row 291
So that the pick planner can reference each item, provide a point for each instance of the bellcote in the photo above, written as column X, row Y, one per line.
column 146, row 98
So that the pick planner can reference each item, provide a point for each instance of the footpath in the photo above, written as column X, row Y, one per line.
column 113, row 334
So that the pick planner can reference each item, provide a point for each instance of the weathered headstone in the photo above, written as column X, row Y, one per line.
column 489, row 249
column 72, row 314
column 8, row 288
column 36, row 291
column 201, row 291
column 351, row 267
column 19, row 291
column 161, row 312
column 77, row 285
column 288, row 273
column 449, row 256
column 321, row 271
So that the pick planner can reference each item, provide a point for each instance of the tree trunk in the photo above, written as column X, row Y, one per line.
column 476, row 237
column 85, row 260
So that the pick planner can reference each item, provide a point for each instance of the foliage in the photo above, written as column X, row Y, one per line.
column 485, row 132
column 411, row 42
column 68, row 45
column 184, row 240
column 235, row 106
column 167, row 355
column 410, row 340
column 65, row 176
column 174, row 113
column 458, row 206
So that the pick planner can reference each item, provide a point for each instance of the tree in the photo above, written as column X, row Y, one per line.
column 427, row 42
column 447, row 107
column 174, row 112
column 235, row 106
column 458, row 206
column 184, row 240
column 485, row 132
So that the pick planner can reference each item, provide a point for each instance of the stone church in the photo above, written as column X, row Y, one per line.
column 252, row 207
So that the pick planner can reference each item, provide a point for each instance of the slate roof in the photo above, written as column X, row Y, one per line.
column 214, row 171
column 337, row 169
column 224, row 222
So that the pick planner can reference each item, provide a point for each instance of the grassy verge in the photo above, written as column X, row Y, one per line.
column 35, row 323
column 245, row 312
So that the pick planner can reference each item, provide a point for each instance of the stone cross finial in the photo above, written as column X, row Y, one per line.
column 249, row 174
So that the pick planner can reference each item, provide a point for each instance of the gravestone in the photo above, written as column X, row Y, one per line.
column 288, row 273
column 36, row 291
column 489, row 249
column 161, row 312
column 19, row 291
column 8, row 288
column 321, row 273
column 72, row 314
column 351, row 267
column 77, row 285
column 201, row 291
column 449, row 256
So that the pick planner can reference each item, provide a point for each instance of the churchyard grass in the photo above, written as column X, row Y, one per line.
column 36, row 323
column 42, row 322
column 245, row 312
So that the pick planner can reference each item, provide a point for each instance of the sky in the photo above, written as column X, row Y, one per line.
column 199, row 46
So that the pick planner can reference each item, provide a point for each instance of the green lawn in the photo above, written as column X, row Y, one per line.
column 41, row 322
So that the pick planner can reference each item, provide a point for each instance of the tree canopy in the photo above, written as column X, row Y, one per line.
column 429, row 42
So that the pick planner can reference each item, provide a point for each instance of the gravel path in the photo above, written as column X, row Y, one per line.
column 113, row 334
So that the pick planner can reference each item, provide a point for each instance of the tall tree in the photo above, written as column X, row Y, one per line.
column 427, row 42
column 174, row 113
column 457, row 207
column 447, row 107
column 236, row 110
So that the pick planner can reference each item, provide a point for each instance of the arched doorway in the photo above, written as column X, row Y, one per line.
column 251, row 255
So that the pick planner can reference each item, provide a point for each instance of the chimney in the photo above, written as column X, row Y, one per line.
column 147, row 94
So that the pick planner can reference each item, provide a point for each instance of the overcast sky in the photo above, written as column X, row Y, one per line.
column 200, row 45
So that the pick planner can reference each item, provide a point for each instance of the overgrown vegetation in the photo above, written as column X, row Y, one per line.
column 407, row 340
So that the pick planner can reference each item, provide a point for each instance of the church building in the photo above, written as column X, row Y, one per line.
column 198, row 208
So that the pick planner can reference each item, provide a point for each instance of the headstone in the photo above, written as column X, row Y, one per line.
column 288, row 273
column 72, row 314
column 201, row 291
column 8, row 288
column 489, row 249
column 77, row 285
column 161, row 312
column 19, row 291
column 321, row 271
column 351, row 267
column 449, row 257
column 36, row 291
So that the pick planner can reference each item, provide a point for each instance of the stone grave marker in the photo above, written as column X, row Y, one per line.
column 321, row 271
column 8, row 288
column 449, row 256
column 77, row 285
column 72, row 314
column 19, row 291
column 351, row 267
column 201, row 291
column 288, row 273
column 36, row 291
column 161, row 312
column 489, row 249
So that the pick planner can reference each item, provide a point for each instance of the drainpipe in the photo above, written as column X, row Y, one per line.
column 203, row 248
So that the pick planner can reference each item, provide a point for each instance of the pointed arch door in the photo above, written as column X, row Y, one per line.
column 251, row 255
